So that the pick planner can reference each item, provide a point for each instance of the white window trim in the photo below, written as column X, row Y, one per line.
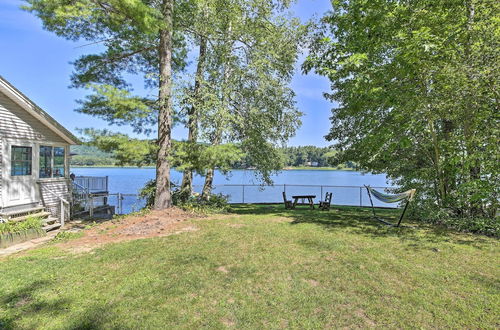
column 66, row 164
column 35, row 159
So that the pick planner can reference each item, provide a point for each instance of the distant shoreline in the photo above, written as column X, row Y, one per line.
column 290, row 168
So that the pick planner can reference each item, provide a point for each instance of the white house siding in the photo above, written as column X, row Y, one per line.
column 16, row 122
column 1, row 166
column 49, row 190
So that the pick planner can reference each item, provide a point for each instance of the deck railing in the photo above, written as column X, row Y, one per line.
column 93, row 184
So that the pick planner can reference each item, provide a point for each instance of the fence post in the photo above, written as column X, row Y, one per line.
column 243, row 186
column 360, row 196
column 119, row 204
column 321, row 197
column 284, row 188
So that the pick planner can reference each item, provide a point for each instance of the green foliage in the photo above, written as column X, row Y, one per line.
column 202, row 157
column 148, row 193
column 64, row 236
column 242, row 94
column 417, row 90
column 446, row 217
column 126, row 150
column 119, row 107
column 213, row 204
column 16, row 227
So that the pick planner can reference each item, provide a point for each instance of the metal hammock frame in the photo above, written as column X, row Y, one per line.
column 408, row 195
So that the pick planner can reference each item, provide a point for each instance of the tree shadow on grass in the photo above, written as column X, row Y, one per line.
column 360, row 220
column 28, row 302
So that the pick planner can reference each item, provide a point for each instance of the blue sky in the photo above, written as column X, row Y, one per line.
column 37, row 62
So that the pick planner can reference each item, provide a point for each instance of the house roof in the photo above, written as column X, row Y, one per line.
column 24, row 102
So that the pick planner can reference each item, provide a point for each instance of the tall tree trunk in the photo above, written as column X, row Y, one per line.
column 207, row 187
column 163, row 198
column 217, row 137
column 187, row 178
column 209, row 178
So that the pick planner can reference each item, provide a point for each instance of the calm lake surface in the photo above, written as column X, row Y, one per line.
column 343, row 184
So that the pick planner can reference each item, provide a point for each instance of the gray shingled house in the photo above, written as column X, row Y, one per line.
column 34, row 160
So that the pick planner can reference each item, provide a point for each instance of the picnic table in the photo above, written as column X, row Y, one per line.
column 310, row 200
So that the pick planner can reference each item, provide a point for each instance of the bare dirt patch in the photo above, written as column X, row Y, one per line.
column 236, row 225
column 312, row 282
column 154, row 224
column 222, row 269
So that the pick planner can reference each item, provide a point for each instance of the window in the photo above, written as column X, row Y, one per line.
column 58, row 162
column 51, row 162
column 21, row 161
column 45, row 162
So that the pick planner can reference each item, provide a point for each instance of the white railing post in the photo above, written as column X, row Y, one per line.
column 91, row 210
column 63, row 213
column 243, row 194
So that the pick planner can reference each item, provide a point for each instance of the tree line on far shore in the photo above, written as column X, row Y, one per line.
column 300, row 156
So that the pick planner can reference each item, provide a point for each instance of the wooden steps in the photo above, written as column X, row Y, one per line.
column 23, row 212
column 49, row 222
column 42, row 215
column 52, row 226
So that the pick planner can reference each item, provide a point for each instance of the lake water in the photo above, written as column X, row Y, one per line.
column 242, row 185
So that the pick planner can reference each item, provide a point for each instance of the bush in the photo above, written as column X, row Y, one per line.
column 449, row 219
column 16, row 227
column 64, row 236
column 148, row 192
column 214, row 202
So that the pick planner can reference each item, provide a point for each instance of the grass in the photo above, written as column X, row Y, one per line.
column 262, row 267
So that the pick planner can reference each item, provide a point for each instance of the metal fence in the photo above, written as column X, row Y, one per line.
column 253, row 194
column 342, row 195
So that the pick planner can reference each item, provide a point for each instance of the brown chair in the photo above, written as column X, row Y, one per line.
column 325, row 205
column 288, row 204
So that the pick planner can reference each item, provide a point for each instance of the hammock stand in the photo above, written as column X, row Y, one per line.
column 408, row 195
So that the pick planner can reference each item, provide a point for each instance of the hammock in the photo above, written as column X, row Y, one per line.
column 386, row 198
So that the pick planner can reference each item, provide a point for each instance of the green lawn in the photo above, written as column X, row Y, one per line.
column 262, row 267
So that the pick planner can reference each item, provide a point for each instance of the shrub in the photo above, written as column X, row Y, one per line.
column 148, row 192
column 16, row 227
column 214, row 202
column 449, row 219
column 66, row 236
